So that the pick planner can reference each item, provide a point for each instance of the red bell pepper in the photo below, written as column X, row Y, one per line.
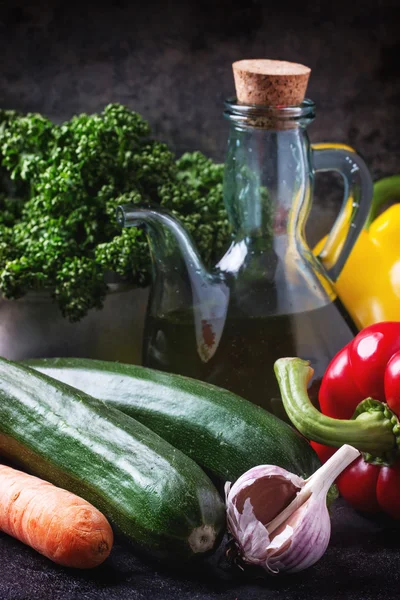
column 360, row 404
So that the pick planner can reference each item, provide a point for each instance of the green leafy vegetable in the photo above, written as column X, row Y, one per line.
column 60, row 186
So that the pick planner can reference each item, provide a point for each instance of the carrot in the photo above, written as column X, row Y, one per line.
column 61, row 526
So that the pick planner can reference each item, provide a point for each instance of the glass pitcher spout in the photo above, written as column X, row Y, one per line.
column 168, row 240
column 179, row 275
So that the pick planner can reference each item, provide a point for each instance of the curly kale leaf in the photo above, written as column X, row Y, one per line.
column 25, row 145
column 59, row 189
column 101, row 146
column 10, row 210
column 79, row 286
column 196, row 198
column 127, row 255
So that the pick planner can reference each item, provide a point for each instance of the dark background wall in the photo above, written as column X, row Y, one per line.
column 171, row 61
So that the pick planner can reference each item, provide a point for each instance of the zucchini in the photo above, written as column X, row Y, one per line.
column 222, row 432
column 152, row 493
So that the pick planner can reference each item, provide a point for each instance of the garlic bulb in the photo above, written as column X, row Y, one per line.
column 279, row 520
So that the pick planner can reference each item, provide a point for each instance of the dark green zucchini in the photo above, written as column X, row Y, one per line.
column 149, row 490
column 219, row 430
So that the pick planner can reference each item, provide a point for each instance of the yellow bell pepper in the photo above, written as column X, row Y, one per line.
column 369, row 284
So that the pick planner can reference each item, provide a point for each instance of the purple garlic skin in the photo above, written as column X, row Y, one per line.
column 279, row 520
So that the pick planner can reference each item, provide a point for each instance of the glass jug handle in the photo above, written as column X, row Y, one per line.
column 358, row 190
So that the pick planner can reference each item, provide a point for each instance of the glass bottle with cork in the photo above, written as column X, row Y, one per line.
column 268, row 296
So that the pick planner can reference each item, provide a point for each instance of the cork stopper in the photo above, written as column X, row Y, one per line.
column 270, row 82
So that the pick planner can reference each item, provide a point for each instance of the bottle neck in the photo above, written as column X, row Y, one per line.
column 266, row 170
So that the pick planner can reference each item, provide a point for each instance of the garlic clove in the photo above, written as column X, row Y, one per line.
column 303, row 541
column 280, row 521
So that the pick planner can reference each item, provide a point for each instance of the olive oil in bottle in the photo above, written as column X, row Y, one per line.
column 244, row 359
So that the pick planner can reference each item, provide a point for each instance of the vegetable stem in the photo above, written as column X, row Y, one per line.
column 318, row 483
column 371, row 431
column 384, row 190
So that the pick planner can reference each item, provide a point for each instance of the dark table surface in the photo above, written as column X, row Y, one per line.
column 361, row 563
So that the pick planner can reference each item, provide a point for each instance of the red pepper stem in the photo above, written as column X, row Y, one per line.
column 371, row 431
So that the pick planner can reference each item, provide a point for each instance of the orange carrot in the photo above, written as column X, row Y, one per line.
column 62, row 526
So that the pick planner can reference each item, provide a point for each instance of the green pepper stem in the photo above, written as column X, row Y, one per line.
column 385, row 189
column 370, row 431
